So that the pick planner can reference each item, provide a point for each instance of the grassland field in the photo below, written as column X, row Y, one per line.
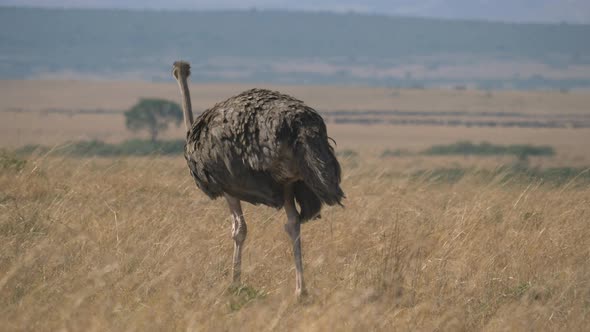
column 53, row 112
column 129, row 243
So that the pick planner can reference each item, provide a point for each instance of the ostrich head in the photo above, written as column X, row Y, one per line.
column 181, row 69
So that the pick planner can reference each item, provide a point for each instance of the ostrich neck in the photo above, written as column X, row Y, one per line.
column 186, row 103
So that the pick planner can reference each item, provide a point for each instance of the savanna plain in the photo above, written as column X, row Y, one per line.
column 424, row 242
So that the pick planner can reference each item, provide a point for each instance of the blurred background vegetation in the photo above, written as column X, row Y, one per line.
column 292, row 47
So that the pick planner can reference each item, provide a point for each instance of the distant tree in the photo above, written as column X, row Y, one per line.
column 155, row 115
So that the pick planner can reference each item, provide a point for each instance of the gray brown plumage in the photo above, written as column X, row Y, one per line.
column 262, row 147
column 252, row 144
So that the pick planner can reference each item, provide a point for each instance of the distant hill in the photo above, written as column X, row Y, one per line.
column 293, row 47
column 575, row 11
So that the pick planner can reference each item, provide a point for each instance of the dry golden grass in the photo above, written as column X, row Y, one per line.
column 131, row 244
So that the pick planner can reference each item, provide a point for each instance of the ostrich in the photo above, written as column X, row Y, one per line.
column 261, row 147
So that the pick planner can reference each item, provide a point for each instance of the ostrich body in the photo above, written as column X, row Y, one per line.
column 261, row 147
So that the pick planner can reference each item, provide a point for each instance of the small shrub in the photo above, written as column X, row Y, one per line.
column 243, row 295
column 347, row 153
column 31, row 148
column 10, row 161
column 143, row 147
column 515, row 174
column 396, row 153
column 445, row 175
column 134, row 147
column 488, row 149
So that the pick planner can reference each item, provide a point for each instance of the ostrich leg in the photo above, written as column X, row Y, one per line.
column 293, row 228
column 238, row 233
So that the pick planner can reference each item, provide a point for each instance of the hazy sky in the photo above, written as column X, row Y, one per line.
column 500, row 10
